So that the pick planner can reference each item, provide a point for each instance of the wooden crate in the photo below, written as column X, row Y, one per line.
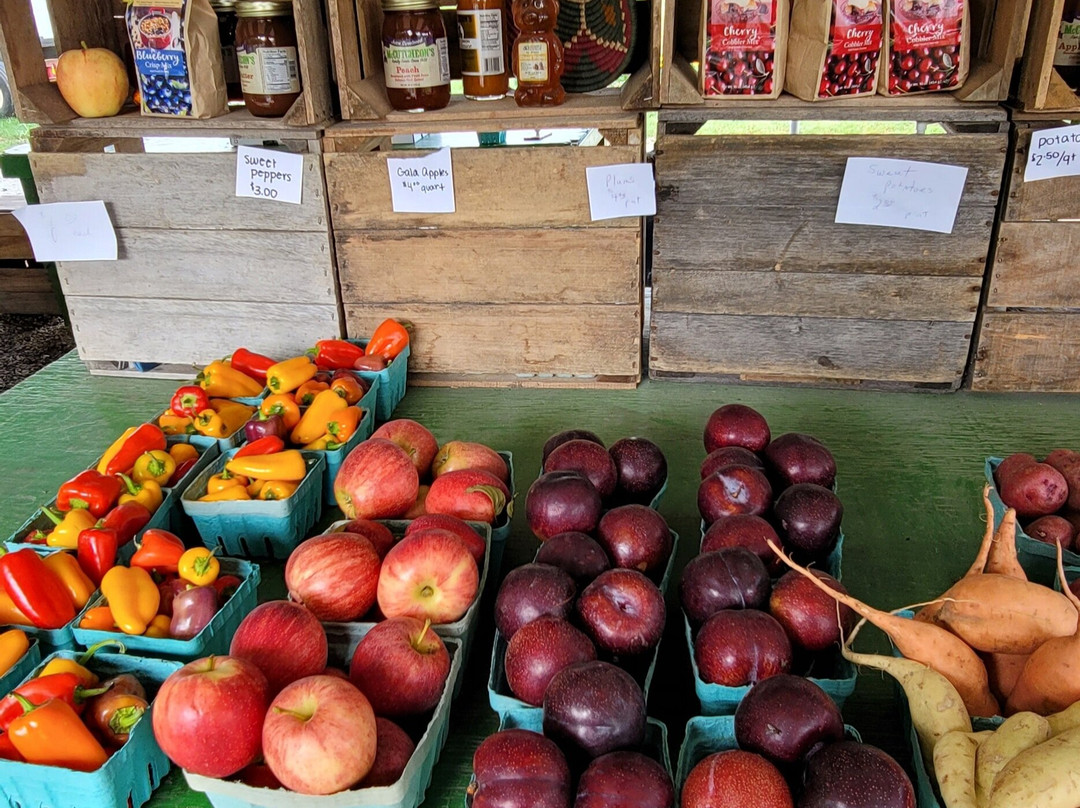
column 753, row 280
column 99, row 23
column 200, row 271
column 1029, row 334
column 356, row 48
column 998, row 29
column 515, row 288
column 1041, row 89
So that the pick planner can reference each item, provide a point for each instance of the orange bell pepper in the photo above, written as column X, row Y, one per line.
column 283, row 404
column 173, row 424
column 389, row 339
column 314, row 422
column 348, row 387
column 306, row 392
column 54, row 735
column 75, row 582
column 343, row 424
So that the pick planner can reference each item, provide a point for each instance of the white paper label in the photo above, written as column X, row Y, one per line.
column 900, row 193
column 69, row 231
column 269, row 174
column 422, row 184
column 1053, row 153
column 621, row 190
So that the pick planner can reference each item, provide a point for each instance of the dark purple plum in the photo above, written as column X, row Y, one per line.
column 625, row 780
column 540, row 650
column 737, row 648
column 561, row 501
column 797, row 458
column 849, row 774
column 592, row 708
column 635, row 537
column 623, row 611
column 589, row 459
column 559, row 438
column 727, row 456
column 641, row 468
column 532, row 591
column 736, row 425
column 744, row 530
column 732, row 578
column 732, row 490
column 808, row 517
column 517, row 768
column 785, row 718
column 577, row 553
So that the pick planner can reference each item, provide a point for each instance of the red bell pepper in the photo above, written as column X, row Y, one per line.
column 189, row 401
column 64, row 686
column 91, row 490
column 160, row 551
column 182, row 468
column 97, row 552
column 389, row 339
column 252, row 364
column 35, row 589
column 332, row 354
column 145, row 438
column 127, row 520
column 268, row 445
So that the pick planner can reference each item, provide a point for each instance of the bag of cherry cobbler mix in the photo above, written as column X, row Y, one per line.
column 744, row 48
column 834, row 49
column 927, row 47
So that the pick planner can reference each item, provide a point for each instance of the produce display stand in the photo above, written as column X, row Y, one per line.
column 26, row 287
column 1029, row 336
column 912, row 468
column 796, row 297
column 1041, row 89
column 517, row 287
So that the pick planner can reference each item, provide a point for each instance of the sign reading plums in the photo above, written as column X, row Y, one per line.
column 69, row 231
column 900, row 193
column 422, row 184
column 269, row 174
column 621, row 190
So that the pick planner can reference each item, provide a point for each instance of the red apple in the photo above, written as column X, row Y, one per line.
column 623, row 611
column 380, row 536
column 732, row 490
column 538, row 651
column 734, row 779
column 429, row 575
column 401, row 665
column 459, row 454
column 377, row 480
column 208, row 715
column 589, row 459
column 444, row 521
column 319, row 735
column 335, row 576
column 393, row 748
column 468, row 494
column 736, row 425
column 414, row 439
column 636, row 537
column 284, row 640
column 419, row 506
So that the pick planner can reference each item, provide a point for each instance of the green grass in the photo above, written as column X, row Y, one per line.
column 13, row 132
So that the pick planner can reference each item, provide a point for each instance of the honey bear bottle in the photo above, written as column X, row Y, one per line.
column 538, row 54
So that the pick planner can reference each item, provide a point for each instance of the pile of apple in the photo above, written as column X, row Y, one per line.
column 273, row 715
column 432, row 573
column 1045, row 495
column 746, row 627
column 401, row 472
column 594, row 723
column 790, row 732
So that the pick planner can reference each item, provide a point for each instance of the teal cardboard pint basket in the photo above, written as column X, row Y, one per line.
column 21, row 669
column 392, row 381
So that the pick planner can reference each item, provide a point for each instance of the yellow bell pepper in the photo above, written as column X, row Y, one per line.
column 13, row 645
column 133, row 598
column 288, row 466
column 87, row 678
column 76, row 583
column 66, row 533
column 180, row 452
column 283, row 404
column 315, row 421
column 211, row 424
column 220, row 379
column 199, row 566
column 114, row 449
column 10, row 614
column 224, row 479
column 156, row 465
column 254, row 487
column 147, row 493
column 290, row 374
column 159, row 627
column 237, row 492
column 277, row 489
column 173, row 424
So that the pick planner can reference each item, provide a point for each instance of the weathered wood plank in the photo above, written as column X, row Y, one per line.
column 494, row 266
column 511, row 187
column 886, row 350
column 242, row 265
column 179, row 192
column 521, row 381
column 804, row 238
column 36, row 100
column 189, row 331
column 13, row 241
column 760, row 171
column 1040, row 85
column 1036, row 266
column 315, row 103
column 1043, row 200
column 509, row 339
column 238, row 122
column 1029, row 352
column 27, row 291
column 794, row 294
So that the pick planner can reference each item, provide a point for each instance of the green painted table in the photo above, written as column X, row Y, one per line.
column 910, row 476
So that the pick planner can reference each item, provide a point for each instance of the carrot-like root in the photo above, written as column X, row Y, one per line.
column 922, row 642
column 1002, row 558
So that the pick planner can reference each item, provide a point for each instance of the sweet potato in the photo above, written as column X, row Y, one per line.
column 1067, row 719
column 954, row 765
column 1044, row 776
column 1001, row 558
column 1004, row 670
column 1034, row 490
column 1017, row 733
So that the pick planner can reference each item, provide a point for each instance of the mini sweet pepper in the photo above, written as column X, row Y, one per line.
column 220, row 379
column 121, row 456
column 52, row 734
column 35, row 589
column 283, row 404
column 133, row 597
column 159, row 551
column 74, row 581
column 388, row 339
column 286, row 376
column 13, row 645
column 288, row 466
column 67, row 530
column 89, row 489
column 157, row 465
column 314, row 422
column 173, row 424
column 251, row 364
column 147, row 493
column 189, row 400
column 199, row 566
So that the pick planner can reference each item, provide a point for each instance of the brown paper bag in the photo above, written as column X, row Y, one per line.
column 743, row 48
column 834, row 49
column 177, row 58
column 927, row 46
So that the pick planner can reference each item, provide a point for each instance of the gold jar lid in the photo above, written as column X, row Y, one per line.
column 223, row 5
column 409, row 5
column 263, row 8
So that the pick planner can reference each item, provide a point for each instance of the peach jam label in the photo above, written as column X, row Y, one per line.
column 420, row 61
column 857, row 26
column 926, row 23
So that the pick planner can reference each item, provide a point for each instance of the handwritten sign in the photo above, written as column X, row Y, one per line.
column 69, row 231
column 422, row 184
column 269, row 174
column 1053, row 153
column 900, row 193
column 627, row 189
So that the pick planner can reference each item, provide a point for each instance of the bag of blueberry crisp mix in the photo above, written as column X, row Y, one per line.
column 177, row 57
column 834, row 49
column 927, row 46
column 743, row 48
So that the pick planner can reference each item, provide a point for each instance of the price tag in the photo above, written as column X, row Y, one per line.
column 626, row 189
column 422, row 184
column 1053, row 153
column 900, row 193
column 269, row 174
column 69, row 231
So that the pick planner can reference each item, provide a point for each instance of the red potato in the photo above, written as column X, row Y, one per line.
column 1007, row 467
column 1034, row 490
column 1052, row 530
column 1068, row 463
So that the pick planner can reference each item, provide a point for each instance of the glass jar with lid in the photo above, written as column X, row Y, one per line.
column 416, row 56
column 267, row 56
column 226, row 14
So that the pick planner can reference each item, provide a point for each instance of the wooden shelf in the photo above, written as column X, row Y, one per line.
column 236, row 124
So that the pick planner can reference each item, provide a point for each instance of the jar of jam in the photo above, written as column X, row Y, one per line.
column 416, row 58
column 226, row 15
column 266, row 53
